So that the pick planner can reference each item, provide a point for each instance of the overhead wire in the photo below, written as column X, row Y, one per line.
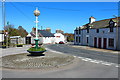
column 31, row 5
column 21, row 12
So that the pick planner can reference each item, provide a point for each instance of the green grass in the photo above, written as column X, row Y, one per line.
column 38, row 49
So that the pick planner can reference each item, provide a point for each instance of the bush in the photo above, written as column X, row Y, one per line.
column 3, row 46
column 36, row 49
column 19, row 45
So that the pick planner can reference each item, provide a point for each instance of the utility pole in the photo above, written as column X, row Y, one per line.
column 8, row 35
column 117, row 32
column 41, row 27
column 3, row 16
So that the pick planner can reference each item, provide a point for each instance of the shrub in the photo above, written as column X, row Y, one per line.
column 36, row 49
column 19, row 45
column 3, row 46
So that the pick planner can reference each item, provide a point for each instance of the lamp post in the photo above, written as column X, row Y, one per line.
column 36, row 13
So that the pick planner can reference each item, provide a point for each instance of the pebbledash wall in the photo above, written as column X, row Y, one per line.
column 82, row 37
column 103, row 33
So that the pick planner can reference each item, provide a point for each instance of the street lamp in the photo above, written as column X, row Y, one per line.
column 36, row 13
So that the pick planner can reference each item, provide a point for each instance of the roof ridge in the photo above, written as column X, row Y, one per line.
column 40, row 34
column 105, row 19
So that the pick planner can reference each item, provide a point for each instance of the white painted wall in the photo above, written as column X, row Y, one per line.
column 1, row 37
column 59, row 37
column 50, row 40
column 103, row 33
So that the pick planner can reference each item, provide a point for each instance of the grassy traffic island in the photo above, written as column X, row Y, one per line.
column 36, row 51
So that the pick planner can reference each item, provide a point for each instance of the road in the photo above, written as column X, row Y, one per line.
column 97, row 55
column 81, row 69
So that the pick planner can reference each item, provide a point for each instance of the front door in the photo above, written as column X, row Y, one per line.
column 95, row 42
column 28, row 40
column 104, row 43
column 99, row 43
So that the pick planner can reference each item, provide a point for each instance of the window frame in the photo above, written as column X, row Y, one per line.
column 97, row 30
column 111, row 42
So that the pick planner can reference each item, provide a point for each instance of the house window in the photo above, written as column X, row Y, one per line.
column 58, row 36
column 97, row 30
column 87, row 39
column 111, row 42
column 79, row 39
column 79, row 31
column 76, row 31
column 111, row 29
column 87, row 30
column 76, row 39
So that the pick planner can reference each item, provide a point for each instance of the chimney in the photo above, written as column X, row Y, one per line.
column 59, row 31
column 91, row 19
column 33, row 29
column 48, row 29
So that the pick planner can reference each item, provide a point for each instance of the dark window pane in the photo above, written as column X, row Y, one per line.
column 111, row 42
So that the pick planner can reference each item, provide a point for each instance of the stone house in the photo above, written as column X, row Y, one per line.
column 101, row 34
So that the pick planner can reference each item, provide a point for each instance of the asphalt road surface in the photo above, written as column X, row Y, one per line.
column 81, row 69
column 97, row 55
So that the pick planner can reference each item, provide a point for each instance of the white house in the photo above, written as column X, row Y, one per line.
column 1, row 36
column 59, row 37
column 101, row 34
column 44, row 36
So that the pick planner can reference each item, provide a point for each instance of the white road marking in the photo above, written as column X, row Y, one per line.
column 98, row 62
column 91, row 60
column 117, row 66
column 85, row 59
column 107, row 64
column 75, row 56
column 79, row 57
column 95, row 61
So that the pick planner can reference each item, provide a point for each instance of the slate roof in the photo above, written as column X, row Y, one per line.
column 43, row 33
column 102, row 23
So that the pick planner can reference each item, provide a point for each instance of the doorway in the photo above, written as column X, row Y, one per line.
column 95, row 42
column 105, row 43
column 28, row 40
column 99, row 43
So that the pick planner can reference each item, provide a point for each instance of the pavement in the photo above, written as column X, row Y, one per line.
column 93, row 49
column 81, row 68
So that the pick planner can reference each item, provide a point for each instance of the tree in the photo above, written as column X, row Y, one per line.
column 70, row 37
column 11, row 30
column 22, row 31
column 15, row 32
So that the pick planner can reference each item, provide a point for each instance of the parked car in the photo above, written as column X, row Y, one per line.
column 61, row 42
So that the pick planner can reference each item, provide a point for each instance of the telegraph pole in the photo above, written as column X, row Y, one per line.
column 117, row 32
column 3, row 15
